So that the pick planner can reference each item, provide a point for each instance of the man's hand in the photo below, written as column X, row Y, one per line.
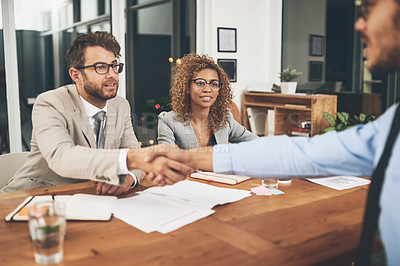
column 164, row 171
column 159, row 180
column 108, row 189
column 198, row 158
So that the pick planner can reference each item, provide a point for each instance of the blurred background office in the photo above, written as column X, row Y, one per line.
column 314, row 36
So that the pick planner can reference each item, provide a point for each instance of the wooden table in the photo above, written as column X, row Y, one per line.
column 308, row 225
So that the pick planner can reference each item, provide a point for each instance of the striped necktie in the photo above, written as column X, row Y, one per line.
column 99, row 119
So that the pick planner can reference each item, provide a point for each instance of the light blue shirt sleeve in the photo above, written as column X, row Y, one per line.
column 351, row 152
column 355, row 151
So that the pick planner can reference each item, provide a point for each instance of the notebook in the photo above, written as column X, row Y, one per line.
column 84, row 207
column 220, row 178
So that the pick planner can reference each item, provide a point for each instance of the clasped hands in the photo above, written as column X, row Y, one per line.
column 163, row 164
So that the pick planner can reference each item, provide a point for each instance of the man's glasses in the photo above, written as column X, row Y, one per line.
column 362, row 6
column 103, row 68
column 215, row 85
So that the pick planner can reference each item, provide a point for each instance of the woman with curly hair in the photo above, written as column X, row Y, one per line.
column 200, row 99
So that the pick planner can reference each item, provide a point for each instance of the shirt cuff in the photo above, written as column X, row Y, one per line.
column 222, row 161
column 123, row 168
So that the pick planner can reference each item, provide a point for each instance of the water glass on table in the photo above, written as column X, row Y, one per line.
column 47, row 227
column 270, row 182
column 285, row 180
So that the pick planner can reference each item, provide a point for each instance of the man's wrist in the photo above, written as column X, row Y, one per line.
column 201, row 158
column 132, row 159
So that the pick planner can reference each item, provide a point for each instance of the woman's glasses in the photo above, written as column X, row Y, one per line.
column 215, row 85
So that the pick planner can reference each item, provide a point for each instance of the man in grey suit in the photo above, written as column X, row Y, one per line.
column 69, row 145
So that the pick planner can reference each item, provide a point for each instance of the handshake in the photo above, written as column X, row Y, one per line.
column 166, row 164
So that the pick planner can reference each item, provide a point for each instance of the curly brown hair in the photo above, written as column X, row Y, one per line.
column 75, row 55
column 182, row 75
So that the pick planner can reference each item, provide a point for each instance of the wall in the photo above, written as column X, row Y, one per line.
column 302, row 18
column 258, row 24
column 26, row 15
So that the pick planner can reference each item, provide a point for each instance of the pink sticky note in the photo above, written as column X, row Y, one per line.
column 261, row 190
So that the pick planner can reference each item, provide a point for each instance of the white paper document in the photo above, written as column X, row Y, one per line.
column 200, row 194
column 340, row 182
column 168, row 208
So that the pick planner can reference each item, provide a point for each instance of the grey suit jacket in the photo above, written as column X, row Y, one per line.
column 172, row 131
column 63, row 146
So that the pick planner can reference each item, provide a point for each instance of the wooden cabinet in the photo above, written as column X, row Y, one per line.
column 356, row 103
column 290, row 110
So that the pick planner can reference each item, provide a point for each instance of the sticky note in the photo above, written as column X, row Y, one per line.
column 261, row 190
column 275, row 191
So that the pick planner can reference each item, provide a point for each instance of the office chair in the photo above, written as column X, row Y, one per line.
column 236, row 113
column 9, row 165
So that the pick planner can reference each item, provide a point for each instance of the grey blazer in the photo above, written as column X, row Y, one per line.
column 63, row 146
column 172, row 131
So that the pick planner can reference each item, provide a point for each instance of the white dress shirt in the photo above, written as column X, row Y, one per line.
column 91, row 110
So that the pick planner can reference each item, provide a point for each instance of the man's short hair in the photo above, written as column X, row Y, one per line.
column 75, row 54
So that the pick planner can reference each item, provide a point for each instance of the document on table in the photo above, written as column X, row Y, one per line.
column 200, row 194
column 340, row 182
column 168, row 208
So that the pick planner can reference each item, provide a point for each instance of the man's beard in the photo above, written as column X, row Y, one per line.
column 97, row 92
column 391, row 62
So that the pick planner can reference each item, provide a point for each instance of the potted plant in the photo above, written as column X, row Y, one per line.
column 287, row 76
column 344, row 121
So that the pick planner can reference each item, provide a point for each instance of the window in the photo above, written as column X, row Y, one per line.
column 44, row 31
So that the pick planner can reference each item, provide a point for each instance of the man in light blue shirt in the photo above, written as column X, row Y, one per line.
column 352, row 152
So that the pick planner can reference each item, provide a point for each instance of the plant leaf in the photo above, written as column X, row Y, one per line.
column 329, row 118
column 327, row 129
column 340, row 127
column 369, row 118
column 362, row 117
column 289, row 74
column 341, row 117
column 346, row 116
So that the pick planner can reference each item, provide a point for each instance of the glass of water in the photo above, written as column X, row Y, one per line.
column 270, row 182
column 47, row 227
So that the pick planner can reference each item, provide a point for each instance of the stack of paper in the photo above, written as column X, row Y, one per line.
column 220, row 178
column 168, row 208
column 340, row 182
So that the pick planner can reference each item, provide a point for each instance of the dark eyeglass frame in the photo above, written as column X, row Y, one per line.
column 116, row 67
column 209, row 83
column 362, row 6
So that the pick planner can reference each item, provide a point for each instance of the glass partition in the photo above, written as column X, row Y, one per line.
column 318, row 39
column 44, row 32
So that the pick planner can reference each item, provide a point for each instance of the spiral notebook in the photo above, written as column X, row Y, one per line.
column 82, row 207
